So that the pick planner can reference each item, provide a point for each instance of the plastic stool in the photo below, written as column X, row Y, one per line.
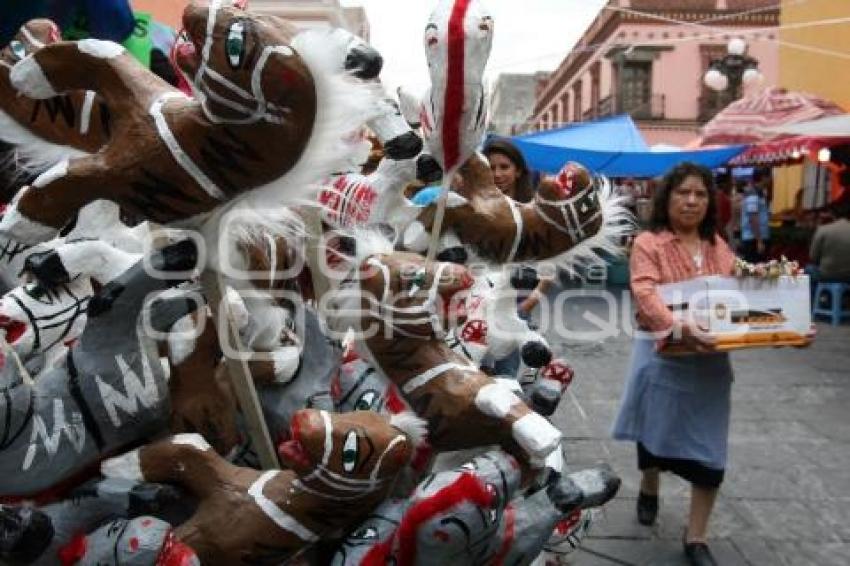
column 835, row 310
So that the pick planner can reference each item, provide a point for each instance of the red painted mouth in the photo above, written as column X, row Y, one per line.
column 185, row 54
column 293, row 452
column 14, row 328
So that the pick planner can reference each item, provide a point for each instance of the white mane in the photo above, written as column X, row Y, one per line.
column 32, row 154
column 343, row 106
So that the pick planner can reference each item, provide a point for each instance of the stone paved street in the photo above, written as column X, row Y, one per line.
column 786, row 498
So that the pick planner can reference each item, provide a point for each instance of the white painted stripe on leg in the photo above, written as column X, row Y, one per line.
column 280, row 517
column 100, row 48
column 423, row 378
column 35, row 42
column 126, row 466
column 191, row 439
column 85, row 115
column 56, row 172
column 518, row 223
column 177, row 152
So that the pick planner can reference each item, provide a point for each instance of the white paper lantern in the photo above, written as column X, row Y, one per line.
column 752, row 77
column 824, row 154
column 716, row 80
column 737, row 46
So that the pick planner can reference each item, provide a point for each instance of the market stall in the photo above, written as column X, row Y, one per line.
column 613, row 147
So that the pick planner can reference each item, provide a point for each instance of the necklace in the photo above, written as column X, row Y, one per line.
column 696, row 255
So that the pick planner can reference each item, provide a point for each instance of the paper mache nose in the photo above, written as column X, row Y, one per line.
column 572, row 179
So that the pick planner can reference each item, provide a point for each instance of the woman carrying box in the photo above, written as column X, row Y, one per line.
column 677, row 408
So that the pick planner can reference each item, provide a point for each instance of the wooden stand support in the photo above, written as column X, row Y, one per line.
column 239, row 372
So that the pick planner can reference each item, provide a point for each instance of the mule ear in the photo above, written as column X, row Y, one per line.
column 412, row 426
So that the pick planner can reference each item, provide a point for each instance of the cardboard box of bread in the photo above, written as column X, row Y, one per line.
column 742, row 312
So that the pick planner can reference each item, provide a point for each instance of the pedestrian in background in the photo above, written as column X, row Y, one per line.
column 724, row 205
column 830, row 249
column 677, row 408
column 512, row 176
column 755, row 223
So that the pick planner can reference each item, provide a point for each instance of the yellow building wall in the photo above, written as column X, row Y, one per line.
column 812, row 58
column 786, row 184
column 804, row 63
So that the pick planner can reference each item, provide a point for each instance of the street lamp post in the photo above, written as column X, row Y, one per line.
column 734, row 69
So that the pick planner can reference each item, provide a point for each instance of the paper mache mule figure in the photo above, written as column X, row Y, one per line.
column 340, row 467
column 110, row 391
column 271, row 110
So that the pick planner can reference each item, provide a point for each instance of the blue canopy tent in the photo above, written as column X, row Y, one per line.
column 610, row 146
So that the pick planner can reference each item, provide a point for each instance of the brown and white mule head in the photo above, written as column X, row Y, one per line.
column 346, row 455
column 242, row 68
column 570, row 203
column 413, row 297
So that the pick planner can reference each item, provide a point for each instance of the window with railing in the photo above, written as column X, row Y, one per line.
column 635, row 88
column 652, row 108
column 595, row 88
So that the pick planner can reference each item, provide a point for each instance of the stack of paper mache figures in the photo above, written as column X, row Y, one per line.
column 225, row 342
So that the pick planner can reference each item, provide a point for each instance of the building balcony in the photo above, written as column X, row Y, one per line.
column 651, row 108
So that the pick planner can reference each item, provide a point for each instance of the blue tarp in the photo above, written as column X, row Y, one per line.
column 611, row 146
column 102, row 19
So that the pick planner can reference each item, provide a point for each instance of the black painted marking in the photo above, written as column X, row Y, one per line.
column 227, row 156
column 85, row 410
column 460, row 524
column 27, row 418
column 151, row 194
column 369, row 371
column 58, row 106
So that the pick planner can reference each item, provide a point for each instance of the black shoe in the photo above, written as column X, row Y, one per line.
column 647, row 508
column 698, row 554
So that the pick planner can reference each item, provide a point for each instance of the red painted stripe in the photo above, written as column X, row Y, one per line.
column 453, row 101
column 466, row 488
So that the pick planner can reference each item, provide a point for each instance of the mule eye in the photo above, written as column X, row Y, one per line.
column 365, row 533
column 234, row 45
column 432, row 35
column 349, row 452
column 18, row 49
column 364, row 403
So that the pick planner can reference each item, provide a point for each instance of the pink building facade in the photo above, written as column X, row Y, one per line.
column 637, row 58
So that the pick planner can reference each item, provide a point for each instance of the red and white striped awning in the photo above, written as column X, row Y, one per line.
column 786, row 150
column 745, row 120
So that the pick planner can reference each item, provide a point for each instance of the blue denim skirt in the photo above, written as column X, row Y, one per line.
column 677, row 407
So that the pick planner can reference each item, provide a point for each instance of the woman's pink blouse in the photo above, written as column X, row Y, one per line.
column 661, row 257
